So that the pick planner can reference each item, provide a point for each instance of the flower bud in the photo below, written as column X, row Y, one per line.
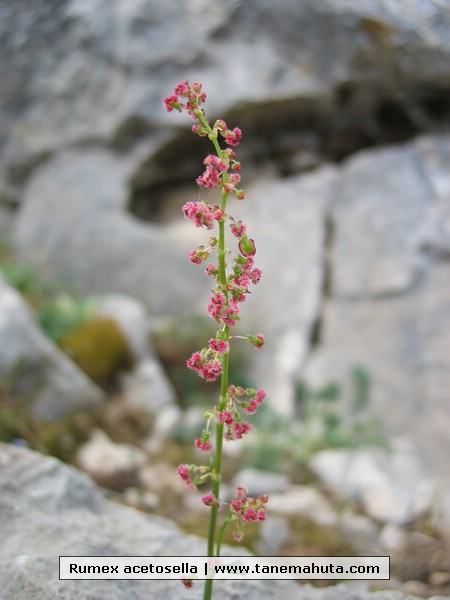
column 247, row 246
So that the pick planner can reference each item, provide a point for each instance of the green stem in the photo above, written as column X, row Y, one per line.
column 222, row 531
column 216, row 468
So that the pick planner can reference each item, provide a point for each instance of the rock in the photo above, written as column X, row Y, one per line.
column 191, row 424
column 388, row 298
column 132, row 317
column 134, row 258
column 305, row 501
column 360, row 532
column 147, row 386
column 421, row 549
column 111, row 465
column 71, row 96
column 7, row 216
column 40, row 372
column 165, row 424
column 441, row 505
column 141, row 500
column 365, row 281
column 273, row 534
column 392, row 537
column 160, row 478
column 440, row 579
column 49, row 499
column 392, row 487
column 415, row 587
column 50, row 510
column 331, row 467
column 383, row 227
column 287, row 302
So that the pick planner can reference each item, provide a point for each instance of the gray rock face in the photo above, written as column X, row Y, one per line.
column 387, row 265
column 104, row 78
column 42, row 374
column 133, row 319
column 146, row 385
column 287, row 219
column 107, row 250
column 392, row 487
column 384, row 215
column 390, row 280
column 49, row 510
column 355, row 258
column 87, row 237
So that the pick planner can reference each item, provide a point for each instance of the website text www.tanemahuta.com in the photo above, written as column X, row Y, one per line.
column 226, row 567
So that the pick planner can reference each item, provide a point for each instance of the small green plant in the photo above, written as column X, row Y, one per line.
column 322, row 422
column 57, row 312
column 96, row 344
column 327, row 425
column 63, row 314
column 23, row 277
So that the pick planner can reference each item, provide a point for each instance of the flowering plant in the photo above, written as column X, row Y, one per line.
column 233, row 274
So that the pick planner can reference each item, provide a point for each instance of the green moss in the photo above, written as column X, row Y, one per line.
column 17, row 423
column 100, row 349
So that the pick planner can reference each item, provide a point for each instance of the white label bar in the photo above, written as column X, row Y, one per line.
column 225, row 567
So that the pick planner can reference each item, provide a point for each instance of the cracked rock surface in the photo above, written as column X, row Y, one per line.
column 49, row 510
column 345, row 111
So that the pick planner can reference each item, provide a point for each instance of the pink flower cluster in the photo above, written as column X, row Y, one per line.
column 247, row 399
column 193, row 475
column 232, row 137
column 185, row 473
column 236, row 430
column 244, row 272
column 199, row 255
column 205, row 364
column 223, row 310
column 224, row 303
column 203, row 444
column 217, row 173
column 215, row 166
column 246, row 509
column 219, row 345
column 209, row 500
column 185, row 96
column 202, row 214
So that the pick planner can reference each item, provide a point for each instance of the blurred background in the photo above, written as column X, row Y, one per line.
column 345, row 111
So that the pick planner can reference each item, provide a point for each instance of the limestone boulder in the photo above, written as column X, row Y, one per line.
column 49, row 510
column 103, row 80
column 388, row 307
column 37, row 371
column 391, row 486
column 75, row 226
